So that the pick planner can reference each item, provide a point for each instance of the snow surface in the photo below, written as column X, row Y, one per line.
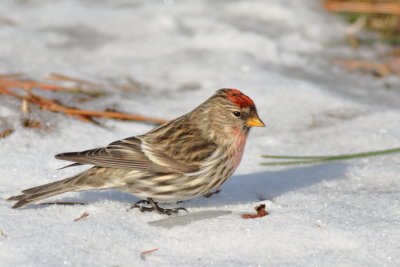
column 278, row 52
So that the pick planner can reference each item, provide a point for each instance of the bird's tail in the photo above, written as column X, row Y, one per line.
column 37, row 193
column 75, row 183
column 94, row 178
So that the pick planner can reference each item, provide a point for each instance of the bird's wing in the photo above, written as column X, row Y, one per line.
column 131, row 154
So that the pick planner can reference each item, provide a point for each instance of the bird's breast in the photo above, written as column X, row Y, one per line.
column 238, row 148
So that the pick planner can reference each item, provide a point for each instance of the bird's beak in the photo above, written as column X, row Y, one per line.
column 254, row 122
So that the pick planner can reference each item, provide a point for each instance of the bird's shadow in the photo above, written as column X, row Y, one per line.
column 242, row 189
column 269, row 185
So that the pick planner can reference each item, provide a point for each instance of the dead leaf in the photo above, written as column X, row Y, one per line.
column 261, row 212
column 3, row 234
column 30, row 123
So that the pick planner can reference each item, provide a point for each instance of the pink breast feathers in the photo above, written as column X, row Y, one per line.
column 238, row 148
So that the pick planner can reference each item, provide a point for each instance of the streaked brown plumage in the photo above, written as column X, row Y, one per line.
column 184, row 158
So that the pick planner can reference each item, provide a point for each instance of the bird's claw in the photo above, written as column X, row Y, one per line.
column 169, row 211
column 139, row 205
column 142, row 205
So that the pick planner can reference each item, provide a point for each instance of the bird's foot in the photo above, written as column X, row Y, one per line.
column 169, row 211
column 141, row 205
column 150, row 205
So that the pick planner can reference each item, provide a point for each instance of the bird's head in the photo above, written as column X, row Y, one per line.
column 229, row 111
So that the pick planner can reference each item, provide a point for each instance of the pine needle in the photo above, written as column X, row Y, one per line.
column 296, row 160
column 7, row 83
column 12, row 75
column 84, row 215
column 84, row 115
column 59, row 77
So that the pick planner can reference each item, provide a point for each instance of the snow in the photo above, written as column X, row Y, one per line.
column 278, row 52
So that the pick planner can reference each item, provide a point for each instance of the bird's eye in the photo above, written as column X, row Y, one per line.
column 236, row 113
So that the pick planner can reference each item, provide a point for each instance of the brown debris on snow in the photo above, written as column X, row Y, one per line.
column 144, row 253
column 6, row 133
column 84, row 215
column 261, row 212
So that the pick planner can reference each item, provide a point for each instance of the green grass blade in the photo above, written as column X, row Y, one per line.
column 293, row 157
column 317, row 159
column 293, row 162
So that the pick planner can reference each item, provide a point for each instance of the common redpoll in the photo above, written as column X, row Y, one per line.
column 181, row 159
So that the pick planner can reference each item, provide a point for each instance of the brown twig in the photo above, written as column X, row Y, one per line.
column 42, row 102
column 84, row 215
column 115, row 115
column 261, row 212
column 51, row 105
column 84, row 115
column 8, row 92
column 389, row 8
column 6, row 133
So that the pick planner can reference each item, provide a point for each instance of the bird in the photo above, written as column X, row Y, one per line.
column 189, row 156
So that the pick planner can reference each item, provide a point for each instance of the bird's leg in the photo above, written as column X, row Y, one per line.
column 151, row 205
column 164, row 211
column 141, row 205
column 209, row 194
